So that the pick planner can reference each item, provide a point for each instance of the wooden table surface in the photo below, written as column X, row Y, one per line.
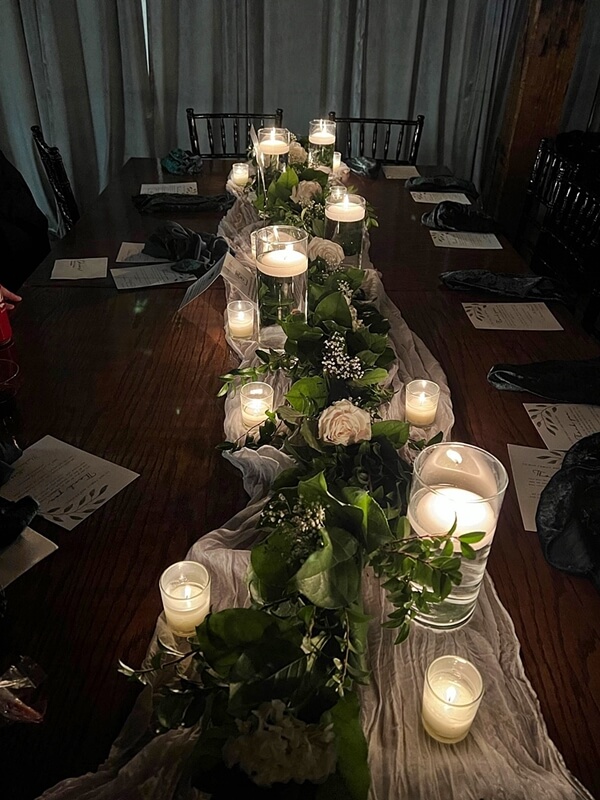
column 120, row 375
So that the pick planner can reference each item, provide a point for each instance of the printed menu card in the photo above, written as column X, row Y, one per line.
column 131, row 253
column 68, row 483
column 562, row 425
column 74, row 269
column 400, row 172
column 148, row 275
column 512, row 316
column 532, row 469
column 465, row 241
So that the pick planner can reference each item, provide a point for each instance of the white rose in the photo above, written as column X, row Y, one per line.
column 305, row 191
column 297, row 154
column 344, row 423
column 330, row 252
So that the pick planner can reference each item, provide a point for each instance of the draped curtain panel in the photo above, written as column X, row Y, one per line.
column 581, row 110
column 78, row 69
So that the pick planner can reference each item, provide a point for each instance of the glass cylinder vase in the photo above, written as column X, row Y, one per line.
column 274, row 146
column 282, row 264
column 321, row 143
column 458, row 484
column 345, row 225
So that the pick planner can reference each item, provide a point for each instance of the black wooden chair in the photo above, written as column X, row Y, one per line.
column 568, row 247
column 57, row 176
column 227, row 135
column 383, row 139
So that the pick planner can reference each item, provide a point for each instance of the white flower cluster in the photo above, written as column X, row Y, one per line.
column 344, row 423
column 305, row 192
column 337, row 362
column 281, row 748
column 331, row 252
column 297, row 154
column 303, row 517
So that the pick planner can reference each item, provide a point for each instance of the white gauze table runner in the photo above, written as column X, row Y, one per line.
column 507, row 755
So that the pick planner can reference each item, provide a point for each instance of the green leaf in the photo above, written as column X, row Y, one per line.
column 375, row 527
column 271, row 564
column 308, row 395
column 371, row 377
column 317, row 175
column 394, row 430
column 473, row 537
column 297, row 330
column 351, row 746
column 330, row 577
column 334, row 307
column 467, row 551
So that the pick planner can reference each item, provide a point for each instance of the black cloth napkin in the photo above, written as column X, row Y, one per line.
column 568, row 514
column 361, row 165
column 182, row 162
column 561, row 381
column 15, row 517
column 154, row 203
column 442, row 183
column 451, row 216
column 194, row 253
column 526, row 287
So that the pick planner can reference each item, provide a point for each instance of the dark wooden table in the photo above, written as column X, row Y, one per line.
column 122, row 376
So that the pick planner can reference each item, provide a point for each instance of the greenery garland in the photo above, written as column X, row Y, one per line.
column 273, row 688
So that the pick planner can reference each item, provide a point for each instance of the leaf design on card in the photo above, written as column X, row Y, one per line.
column 88, row 503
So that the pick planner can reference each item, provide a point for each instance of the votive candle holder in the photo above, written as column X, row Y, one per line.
column 185, row 593
column 256, row 399
column 240, row 319
column 421, row 402
column 240, row 173
column 321, row 141
column 452, row 694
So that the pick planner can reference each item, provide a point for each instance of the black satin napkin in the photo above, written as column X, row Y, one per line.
column 562, row 381
column 568, row 514
column 442, row 183
column 192, row 252
column 153, row 203
column 451, row 216
column 15, row 517
column 182, row 162
column 525, row 287
column 361, row 165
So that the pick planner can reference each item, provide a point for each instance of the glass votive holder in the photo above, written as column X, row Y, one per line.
column 336, row 161
column 421, row 402
column 337, row 193
column 345, row 225
column 185, row 593
column 274, row 146
column 240, row 173
column 256, row 399
column 240, row 319
column 321, row 141
column 461, row 486
column 452, row 693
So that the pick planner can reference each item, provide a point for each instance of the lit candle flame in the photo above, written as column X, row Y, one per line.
column 451, row 694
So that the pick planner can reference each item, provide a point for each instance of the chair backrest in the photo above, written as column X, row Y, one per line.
column 57, row 176
column 227, row 135
column 383, row 139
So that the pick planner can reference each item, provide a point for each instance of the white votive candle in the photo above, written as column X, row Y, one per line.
column 256, row 399
column 240, row 318
column 337, row 193
column 422, row 399
column 283, row 263
column 350, row 209
column 185, row 592
column 451, row 696
column 337, row 161
column 240, row 173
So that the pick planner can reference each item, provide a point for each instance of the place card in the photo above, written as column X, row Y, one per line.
column 202, row 284
column 562, row 425
column 438, row 197
column 532, row 469
column 512, row 316
column 25, row 552
column 148, row 275
column 68, row 483
column 400, row 172
column 465, row 241
column 169, row 188
column 73, row 269
column 240, row 277
column 131, row 253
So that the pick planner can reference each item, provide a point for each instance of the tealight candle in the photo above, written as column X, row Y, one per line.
column 451, row 696
column 421, row 402
column 352, row 208
column 240, row 174
column 337, row 161
column 337, row 193
column 185, row 592
column 240, row 318
column 256, row 399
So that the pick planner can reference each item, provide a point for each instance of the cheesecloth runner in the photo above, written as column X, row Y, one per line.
column 507, row 755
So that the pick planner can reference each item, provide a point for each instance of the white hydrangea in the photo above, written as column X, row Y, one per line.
column 281, row 748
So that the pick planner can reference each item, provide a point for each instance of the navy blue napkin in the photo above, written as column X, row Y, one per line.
column 561, row 381
column 442, row 183
column 524, row 287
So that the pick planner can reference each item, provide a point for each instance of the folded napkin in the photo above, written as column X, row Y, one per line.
column 526, row 287
column 451, row 216
column 568, row 514
column 442, row 183
column 153, row 203
column 193, row 252
column 561, row 381
column 182, row 162
column 361, row 165
column 15, row 517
